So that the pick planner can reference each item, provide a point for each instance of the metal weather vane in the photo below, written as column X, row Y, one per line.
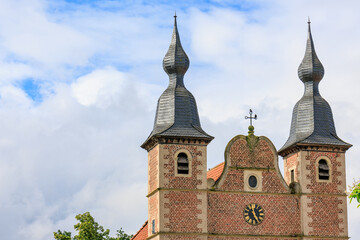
column 251, row 117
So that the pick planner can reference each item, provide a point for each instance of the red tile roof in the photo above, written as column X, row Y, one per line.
column 216, row 171
column 142, row 234
column 213, row 173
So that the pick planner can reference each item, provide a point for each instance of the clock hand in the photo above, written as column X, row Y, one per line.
column 254, row 214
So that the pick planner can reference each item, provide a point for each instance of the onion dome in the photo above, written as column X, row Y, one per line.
column 310, row 68
column 312, row 120
column 176, row 61
column 176, row 114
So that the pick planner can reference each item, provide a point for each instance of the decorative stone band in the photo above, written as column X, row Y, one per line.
column 211, row 190
column 318, row 147
column 175, row 140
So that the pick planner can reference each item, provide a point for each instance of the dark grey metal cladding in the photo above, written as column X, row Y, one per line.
column 310, row 68
column 176, row 60
column 312, row 119
column 176, row 113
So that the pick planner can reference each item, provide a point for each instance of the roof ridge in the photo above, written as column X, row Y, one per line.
column 216, row 166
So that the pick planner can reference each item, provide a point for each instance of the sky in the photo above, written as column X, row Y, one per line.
column 79, row 83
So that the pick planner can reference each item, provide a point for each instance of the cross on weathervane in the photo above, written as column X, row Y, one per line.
column 251, row 117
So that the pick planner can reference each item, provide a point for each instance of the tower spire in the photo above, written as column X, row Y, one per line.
column 176, row 115
column 312, row 120
column 176, row 62
column 310, row 68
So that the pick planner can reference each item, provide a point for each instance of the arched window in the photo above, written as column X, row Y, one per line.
column 182, row 164
column 324, row 173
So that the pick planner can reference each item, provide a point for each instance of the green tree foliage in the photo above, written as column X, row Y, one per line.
column 88, row 229
column 121, row 235
column 355, row 192
column 59, row 235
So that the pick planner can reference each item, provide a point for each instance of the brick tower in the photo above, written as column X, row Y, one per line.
column 314, row 157
column 245, row 197
column 177, row 183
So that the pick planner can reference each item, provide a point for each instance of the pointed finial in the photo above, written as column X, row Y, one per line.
column 310, row 68
column 175, row 14
column 309, row 20
column 176, row 60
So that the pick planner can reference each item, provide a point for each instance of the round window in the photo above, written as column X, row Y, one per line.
column 252, row 181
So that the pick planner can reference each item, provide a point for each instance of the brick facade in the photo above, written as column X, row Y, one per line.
column 210, row 205
column 323, row 202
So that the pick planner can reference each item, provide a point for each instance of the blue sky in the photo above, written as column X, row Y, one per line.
column 68, row 11
column 32, row 89
column 79, row 82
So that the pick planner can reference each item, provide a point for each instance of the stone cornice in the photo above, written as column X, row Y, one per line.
column 153, row 141
column 311, row 147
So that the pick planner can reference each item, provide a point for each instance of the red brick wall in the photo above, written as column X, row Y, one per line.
column 183, row 209
column 291, row 162
column 271, row 183
column 176, row 237
column 153, row 169
column 324, row 187
column 261, row 157
column 324, row 214
column 233, row 180
column 225, row 214
column 325, row 210
column 153, row 210
column 325, row 238
column 197, row 168
column 249, row 238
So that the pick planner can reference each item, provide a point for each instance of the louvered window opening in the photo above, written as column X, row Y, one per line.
column 182, row 164
column 292, row 176
column 323, row 170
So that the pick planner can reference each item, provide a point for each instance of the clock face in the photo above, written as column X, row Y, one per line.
column 254, row 214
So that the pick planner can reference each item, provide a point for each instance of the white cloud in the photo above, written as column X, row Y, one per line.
column 78, row 150
column 100, row 88
column 28, row 33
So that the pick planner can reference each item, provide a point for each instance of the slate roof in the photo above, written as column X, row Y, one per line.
column 176, row 113
column 312, row 119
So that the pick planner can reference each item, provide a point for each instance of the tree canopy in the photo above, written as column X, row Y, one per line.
column 88, row 229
